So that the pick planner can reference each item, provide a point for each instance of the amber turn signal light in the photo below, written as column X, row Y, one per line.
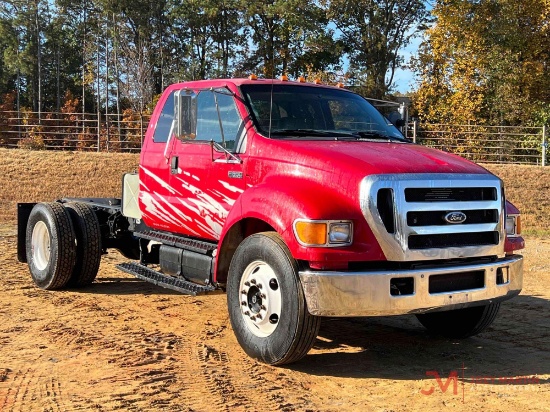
column 311, row 233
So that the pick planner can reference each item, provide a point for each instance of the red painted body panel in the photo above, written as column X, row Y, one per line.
column 282, row 180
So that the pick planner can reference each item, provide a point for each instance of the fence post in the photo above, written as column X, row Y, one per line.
column 98, row 131
column 415, row 123
column 108, row 127
column 141, row 128
column 544, row 144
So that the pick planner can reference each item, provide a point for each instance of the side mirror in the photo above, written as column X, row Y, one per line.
column 399, row 123
column 185, row 108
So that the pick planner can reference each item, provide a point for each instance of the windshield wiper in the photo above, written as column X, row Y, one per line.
column 308, row 132
column 374, row 135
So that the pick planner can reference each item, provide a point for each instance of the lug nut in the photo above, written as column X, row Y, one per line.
column 263, row 296
column 258, row 316
column 263, row 307
column 243, row 303
column 247, row 313
column 243, row 292
column 247, row 283
column 253, row 281
column 259, row 285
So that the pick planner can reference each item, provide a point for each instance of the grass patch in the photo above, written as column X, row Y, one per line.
column 43, row 176
column 528, row 188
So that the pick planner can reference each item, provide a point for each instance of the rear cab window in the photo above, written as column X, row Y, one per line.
column 165, row 121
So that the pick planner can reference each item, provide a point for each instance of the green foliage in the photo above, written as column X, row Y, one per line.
column 118, row 55
column 373, row 32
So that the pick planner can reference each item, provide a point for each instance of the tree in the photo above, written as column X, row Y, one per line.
column 485, row 61
column 373, row 33
column 288, row 37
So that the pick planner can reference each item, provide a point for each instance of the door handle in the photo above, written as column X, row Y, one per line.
column 174, row 163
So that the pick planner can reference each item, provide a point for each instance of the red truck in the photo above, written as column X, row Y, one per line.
column 300, row 201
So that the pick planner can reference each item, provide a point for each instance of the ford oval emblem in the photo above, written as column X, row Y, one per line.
column 455, row 217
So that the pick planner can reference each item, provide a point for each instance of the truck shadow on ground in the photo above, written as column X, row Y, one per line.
column 400, row 348
column 125, row 286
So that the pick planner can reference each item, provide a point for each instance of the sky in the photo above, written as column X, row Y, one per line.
column 404, row 79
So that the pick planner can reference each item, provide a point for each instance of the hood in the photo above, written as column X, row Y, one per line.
column 372, row 157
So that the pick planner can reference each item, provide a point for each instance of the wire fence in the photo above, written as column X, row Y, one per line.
column 485, row 144
column 124, row 133
column 73, row 131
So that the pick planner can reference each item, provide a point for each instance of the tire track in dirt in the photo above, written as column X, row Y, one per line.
column 142, row 362
column 21, row 392
column 164, row 366
column 50, row 390
column 21, row 389
column 4, row 388
column 230, row 380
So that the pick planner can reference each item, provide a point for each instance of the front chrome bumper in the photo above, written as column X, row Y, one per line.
column 368, row 293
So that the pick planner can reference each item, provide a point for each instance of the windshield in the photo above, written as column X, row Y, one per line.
column 315, row 112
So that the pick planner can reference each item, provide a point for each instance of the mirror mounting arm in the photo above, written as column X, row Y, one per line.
column 232, row 157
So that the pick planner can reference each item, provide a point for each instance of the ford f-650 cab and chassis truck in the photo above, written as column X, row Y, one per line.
column 300, row 201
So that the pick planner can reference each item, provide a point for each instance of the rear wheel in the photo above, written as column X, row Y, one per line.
column 50, row 245
column 267, row 307
column 460, row 323
column 88, row 244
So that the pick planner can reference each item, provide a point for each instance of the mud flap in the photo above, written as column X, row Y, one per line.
column 23, row 213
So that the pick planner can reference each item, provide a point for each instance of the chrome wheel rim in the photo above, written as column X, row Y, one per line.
column 40, row 243
column 260, row 299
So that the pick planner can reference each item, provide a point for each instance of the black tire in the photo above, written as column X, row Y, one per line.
column 295, row 329
column 460, row 323
column 50, row 245
column 88, row 244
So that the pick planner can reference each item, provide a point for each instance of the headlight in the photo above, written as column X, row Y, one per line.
column 323, row 233
column 513, row 225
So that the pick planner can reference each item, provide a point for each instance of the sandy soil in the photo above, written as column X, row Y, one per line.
column 123, row 344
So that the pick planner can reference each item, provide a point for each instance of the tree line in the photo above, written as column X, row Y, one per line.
column 116, row 55
column 481, row 61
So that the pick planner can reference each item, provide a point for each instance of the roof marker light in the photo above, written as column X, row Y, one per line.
column 302, row 79
column 284, row 78
column 252, row 77
column 340, row 85
column 317, row 81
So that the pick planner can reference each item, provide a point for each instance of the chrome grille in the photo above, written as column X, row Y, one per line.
column 447, row 194
column 406, row 213
column 437, row 218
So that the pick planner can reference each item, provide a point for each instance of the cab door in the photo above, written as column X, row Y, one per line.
column 207, row 169
column 155, row 194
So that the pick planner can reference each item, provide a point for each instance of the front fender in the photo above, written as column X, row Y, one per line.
column 279, row 201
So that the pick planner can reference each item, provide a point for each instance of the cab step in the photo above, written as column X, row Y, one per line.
column 168, row 282
column 181, row 242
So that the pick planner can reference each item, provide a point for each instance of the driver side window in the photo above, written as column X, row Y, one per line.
column 208, row 123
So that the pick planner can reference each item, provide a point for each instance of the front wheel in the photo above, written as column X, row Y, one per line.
column 267, row 307
column 460, row 323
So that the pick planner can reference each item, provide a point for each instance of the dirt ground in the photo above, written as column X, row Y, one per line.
column 123, row 344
